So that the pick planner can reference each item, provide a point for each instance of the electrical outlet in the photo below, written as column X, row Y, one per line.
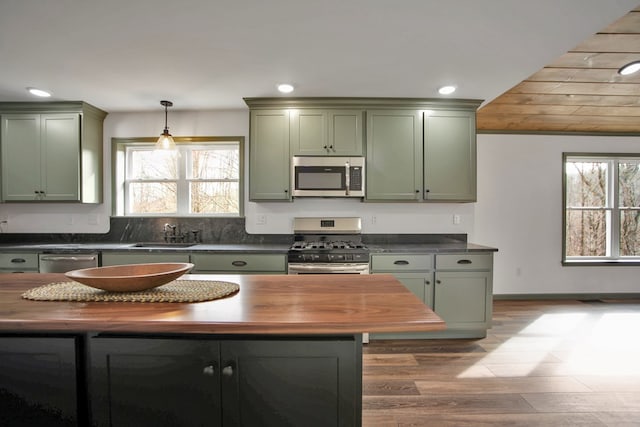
column 374, row 219
column 261, row 219
column 456, row 219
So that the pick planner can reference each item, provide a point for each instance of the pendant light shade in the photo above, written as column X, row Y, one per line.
column 165, row 142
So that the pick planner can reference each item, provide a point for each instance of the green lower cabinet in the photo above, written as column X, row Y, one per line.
column 38, row 382
column 459, row 289
column 306, row 382
column 18, row 262
column 222, row 381
column 238, row 263
column 460, row 298
column 124, row 258
column 154, row 382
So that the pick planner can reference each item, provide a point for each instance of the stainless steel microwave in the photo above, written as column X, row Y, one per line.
column 328, row 176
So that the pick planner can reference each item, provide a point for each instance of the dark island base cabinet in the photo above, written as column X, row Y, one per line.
column 39, row 382
column 192, row 381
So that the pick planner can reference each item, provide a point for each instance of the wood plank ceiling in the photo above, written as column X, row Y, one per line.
column 580, row 92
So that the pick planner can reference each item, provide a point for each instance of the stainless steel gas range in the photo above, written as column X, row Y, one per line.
column 328, row 246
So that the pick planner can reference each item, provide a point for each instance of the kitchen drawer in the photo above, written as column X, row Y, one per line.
column 239, row 262
column 19, row 261
column 401, row 262
column 124, row 258
column 464, row 261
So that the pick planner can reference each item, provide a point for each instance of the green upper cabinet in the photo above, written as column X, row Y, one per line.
column 326, row 132
column 421, row 155
column 450, row 156
column 417, row 150
column 51, row 152
column 394, row 155
column 269, row 164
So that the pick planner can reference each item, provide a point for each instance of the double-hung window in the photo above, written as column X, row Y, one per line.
column 201, row 177
column 601, row 197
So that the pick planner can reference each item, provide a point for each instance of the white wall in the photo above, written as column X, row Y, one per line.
column 519, row 211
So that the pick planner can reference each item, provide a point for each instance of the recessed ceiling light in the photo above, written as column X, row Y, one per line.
column 446, row 90
column 285, row 88
column 630, row 68
column 38, row 92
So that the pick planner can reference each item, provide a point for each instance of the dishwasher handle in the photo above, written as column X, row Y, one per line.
column 68, row 258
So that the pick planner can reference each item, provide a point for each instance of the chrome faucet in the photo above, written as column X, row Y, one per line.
column 169, row 233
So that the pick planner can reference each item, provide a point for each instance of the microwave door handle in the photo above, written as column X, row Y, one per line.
column 347, row 178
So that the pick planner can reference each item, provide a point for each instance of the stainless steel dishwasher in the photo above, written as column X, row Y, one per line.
column 63, row 262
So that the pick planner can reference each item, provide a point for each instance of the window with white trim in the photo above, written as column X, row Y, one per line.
column 202, row 177
column 601, row 196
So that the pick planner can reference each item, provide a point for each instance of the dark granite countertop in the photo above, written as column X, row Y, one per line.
column 269, row 248
column 131, row 247
column 430, row 248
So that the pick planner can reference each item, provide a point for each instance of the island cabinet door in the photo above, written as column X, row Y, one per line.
column 38, row 380
column 307, row 382
column 154, row 382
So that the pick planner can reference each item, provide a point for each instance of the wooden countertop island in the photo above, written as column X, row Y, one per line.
column 265, row 304
column 282, row 351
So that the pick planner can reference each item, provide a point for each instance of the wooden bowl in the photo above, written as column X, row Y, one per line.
column 129, row 278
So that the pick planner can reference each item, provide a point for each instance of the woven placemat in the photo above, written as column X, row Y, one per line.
column 175, row 291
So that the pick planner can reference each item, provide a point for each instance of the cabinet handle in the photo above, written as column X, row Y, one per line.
column 238, row 263
column 286, row 191
column 325, row 147
column 227, row 371
column 427, row 282
column 401, row 262
column 18, row 260
column 464, row 261
column 331, row 147
column 438, row 282
column 209, row 370
column 427, row 190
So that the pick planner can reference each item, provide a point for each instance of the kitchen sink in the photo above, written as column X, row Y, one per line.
column 163, row 245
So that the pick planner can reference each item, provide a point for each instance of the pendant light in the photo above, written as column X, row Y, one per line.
column 165, row 142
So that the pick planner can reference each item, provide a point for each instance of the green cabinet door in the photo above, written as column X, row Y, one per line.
column 38, row 381
column 292, row 382
column 345, row 132
column 309, row 132
column 450, row 156
column 154, row 382
column 394, row 155
column 269, row 165
column 461, row 298
column 20, row 157
column 330, row 132
column 60, row 148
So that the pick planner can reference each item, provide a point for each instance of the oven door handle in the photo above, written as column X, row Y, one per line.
column 332, row 268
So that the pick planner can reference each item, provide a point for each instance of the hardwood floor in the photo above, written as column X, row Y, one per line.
column 544, row 363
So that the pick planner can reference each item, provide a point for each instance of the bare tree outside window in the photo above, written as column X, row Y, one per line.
column 195, row 179
column 602, row 207
column 586, row 194
column 629, row 200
